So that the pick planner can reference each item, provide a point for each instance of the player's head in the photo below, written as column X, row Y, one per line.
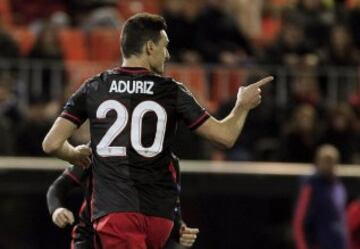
column 144, row 37
column 327, row 157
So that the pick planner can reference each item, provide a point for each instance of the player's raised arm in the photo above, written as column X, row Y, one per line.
column 226, row 132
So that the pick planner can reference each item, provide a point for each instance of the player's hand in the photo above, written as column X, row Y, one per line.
column 82, row 156
column 62, row 216
column 249, row 97
column 188, row 236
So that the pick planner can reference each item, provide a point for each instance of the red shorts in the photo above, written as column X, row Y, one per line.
column 131, row 231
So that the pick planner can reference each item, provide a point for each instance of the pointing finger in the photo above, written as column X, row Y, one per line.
column 191, row 230
column 263, row 81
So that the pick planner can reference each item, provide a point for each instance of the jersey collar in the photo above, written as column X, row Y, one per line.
column 133, row 70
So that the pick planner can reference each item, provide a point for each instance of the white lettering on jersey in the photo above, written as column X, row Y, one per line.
column 131, row 87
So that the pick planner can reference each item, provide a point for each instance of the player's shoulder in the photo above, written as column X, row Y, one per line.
column 164, row 79
column 310, row 180
column 93, row 82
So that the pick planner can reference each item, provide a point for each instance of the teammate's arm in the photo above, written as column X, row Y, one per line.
column 55, row 143
column 55, row 197
column 225, row 132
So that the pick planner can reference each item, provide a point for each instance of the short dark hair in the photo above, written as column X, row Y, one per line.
column 139, row 29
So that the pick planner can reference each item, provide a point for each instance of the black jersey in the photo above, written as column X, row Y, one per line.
column 74, row 177
column 133, row 117
column 83, row 233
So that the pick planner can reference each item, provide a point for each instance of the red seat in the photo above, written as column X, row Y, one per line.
column 5, row 13
column 72, row 42
column 225, row 83
column 270, row 29
column 192, row 77
column 24, row 38
column 104, row 45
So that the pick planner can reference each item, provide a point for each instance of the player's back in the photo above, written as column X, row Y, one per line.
column 133, row 115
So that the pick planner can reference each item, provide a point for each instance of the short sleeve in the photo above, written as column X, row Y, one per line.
column 75, row 108
column 189, row 110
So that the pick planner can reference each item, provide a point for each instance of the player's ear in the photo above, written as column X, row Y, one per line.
column 149, row 47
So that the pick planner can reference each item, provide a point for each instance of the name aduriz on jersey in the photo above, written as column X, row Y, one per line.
column 132, row 86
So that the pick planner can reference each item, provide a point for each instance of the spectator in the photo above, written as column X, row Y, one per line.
column 291, row 49
column 8, row 46
column 222, row 41
column 340, row 131
column 11, row 117
column 248, row 14
column 94, row 13
column 354, row 20
column 316, row 20
column 341, row 51
column 182, row 19
column 305, row 89
column 320, row 219
column 49, row 63
column 300, row 139
column 38, row 120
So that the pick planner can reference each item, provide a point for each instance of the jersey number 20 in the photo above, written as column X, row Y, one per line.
column 105, row 150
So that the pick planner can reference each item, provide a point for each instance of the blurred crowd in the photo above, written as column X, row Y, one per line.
column 315, row 43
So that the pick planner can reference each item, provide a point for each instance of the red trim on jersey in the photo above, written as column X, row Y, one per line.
column 300, row 214
column 199, row 121
column 172, row 171
column 133, row 70
column 72, row 117
column 83, row 205
column 73, row 177
column 92, row 197
column 73, row 233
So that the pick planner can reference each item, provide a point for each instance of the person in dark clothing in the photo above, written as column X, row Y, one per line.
column 134, row 188
column 182, row 20
column 353, row 24
column 300, row 140
column 291, row 48
column 222, row 41
column 341, row 132
column 341, row 50
column 83, row 232
column 320, row 219
column 47, row 79
column 8, row 46
column 11, row 117
column 353, row 217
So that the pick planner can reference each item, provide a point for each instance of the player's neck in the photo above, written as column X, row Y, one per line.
column 135, row 62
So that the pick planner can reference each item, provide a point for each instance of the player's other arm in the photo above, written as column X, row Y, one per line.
column 55, row 143
column 55, row 197
column 225, row 132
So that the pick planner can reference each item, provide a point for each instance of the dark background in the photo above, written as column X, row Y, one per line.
column 232, row 211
